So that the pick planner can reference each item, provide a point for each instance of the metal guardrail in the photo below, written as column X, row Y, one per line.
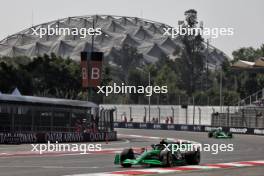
column 256, row 99
column 250, row 117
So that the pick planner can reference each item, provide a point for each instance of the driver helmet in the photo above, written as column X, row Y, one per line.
column 163, row 141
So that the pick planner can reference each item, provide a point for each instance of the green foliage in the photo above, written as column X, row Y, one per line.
column 42, row 76
column 53, row 75
column 12, row 73
column 248, row 53
column 128, row 58
column 230, row 98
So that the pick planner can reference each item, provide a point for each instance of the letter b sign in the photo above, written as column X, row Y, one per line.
column 95, row 73
column 95, row 69
column 91, row 68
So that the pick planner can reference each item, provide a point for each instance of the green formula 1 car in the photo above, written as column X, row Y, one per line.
column 218, row 133
column 161, row 155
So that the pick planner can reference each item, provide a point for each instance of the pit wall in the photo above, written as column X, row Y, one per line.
column 43, row 137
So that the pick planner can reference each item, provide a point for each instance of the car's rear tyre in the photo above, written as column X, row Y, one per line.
column 126, row 154
column 230, row 135
column 210, row 134
column 166, row 158
column 193, row 159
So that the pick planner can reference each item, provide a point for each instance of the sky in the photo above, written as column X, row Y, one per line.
column 245, row 16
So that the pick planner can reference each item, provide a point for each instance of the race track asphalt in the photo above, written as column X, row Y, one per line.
column 246, row 148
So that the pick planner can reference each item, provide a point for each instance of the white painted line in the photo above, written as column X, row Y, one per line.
column 96, row 174
column 201, row 167
column 4, row 154
column 237, row 164
column 158, row 170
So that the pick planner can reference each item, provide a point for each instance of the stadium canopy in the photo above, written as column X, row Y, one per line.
column 145, row 35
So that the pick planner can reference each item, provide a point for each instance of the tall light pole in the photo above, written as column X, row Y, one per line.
column 149, row 96
column 89, row 89
column 220, row 88
column 207, row 53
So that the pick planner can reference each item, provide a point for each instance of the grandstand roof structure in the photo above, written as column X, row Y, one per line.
column 146, row 35
column 257, row 66
column 45, row 100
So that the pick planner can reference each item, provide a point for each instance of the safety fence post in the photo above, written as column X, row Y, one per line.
column 159, row 113
column 172, row 109
column 199, row 115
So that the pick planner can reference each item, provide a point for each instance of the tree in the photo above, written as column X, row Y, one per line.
column 13, row 75
column 127, row 59
column 191, row 62
column 245, row 53
column 55, row 76
column 135, row 78
column 167, row 77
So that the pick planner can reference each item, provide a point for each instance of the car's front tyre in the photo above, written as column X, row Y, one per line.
column 193, row 159
column 166, row 158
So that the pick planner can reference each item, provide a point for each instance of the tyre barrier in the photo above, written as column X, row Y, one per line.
column 44, row 137
column 184, row 127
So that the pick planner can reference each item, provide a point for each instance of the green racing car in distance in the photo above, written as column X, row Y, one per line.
column 220, row 134
column 159, row 155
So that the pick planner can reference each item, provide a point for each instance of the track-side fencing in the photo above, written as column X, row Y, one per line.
column 183, row 127
column 250, row 117
column 178, row 114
